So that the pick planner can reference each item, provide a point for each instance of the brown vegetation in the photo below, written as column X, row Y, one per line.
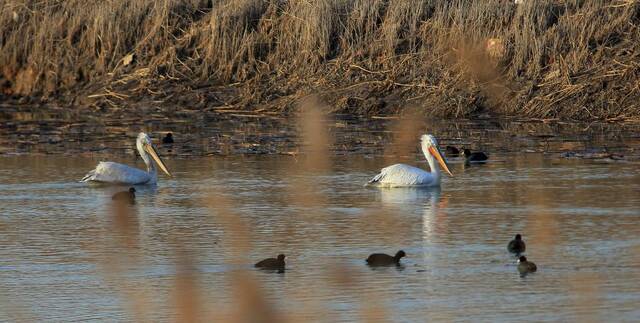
column 571, row 59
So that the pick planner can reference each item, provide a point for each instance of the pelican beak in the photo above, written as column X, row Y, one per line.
column 436, row 153
column 154, row 154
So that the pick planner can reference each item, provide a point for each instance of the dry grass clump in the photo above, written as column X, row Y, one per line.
column 52, row 45
column 572, row 59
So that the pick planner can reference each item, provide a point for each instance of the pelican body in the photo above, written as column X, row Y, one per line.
column 120, row 174
column 400, row 175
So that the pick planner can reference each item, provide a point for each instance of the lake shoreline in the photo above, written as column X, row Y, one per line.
column 52, row 129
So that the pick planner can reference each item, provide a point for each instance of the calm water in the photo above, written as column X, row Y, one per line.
column 65, row 257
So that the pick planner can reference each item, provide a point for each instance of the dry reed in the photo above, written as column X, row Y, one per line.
column 572, row 59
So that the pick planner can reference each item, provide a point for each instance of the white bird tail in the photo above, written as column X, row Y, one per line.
column 376, row 179
column 90, row 176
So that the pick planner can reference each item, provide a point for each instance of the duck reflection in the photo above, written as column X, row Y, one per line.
column 124, row 224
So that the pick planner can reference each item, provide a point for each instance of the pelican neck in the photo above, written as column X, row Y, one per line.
column 435, row 170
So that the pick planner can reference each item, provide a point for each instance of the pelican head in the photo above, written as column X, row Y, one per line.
column 430, row 146
column 146, row 149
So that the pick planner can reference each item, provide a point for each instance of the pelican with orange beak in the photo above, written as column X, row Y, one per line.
column 120, row 174
column 401, row 175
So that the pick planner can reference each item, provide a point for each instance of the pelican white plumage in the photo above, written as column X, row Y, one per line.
column 119, row 174
column 400, row 175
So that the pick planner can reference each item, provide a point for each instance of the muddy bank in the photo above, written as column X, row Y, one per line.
column 573, row 60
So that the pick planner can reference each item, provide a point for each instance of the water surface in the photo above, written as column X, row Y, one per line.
column 66, row 257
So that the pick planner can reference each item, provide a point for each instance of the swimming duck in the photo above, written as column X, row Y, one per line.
column 525, row 266
column 381, row 259
column 272, row 263
column 123, row 196
column 474, row 156
column 517, row 245
column 451, row 151
column 168, row 138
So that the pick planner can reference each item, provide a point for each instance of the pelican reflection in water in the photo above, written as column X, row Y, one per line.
column 120, row 174
column 424, row 208
column 400, row 175
column 420, row 201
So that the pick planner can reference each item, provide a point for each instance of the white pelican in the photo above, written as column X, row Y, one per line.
column 399, row 175
column 116, row 173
